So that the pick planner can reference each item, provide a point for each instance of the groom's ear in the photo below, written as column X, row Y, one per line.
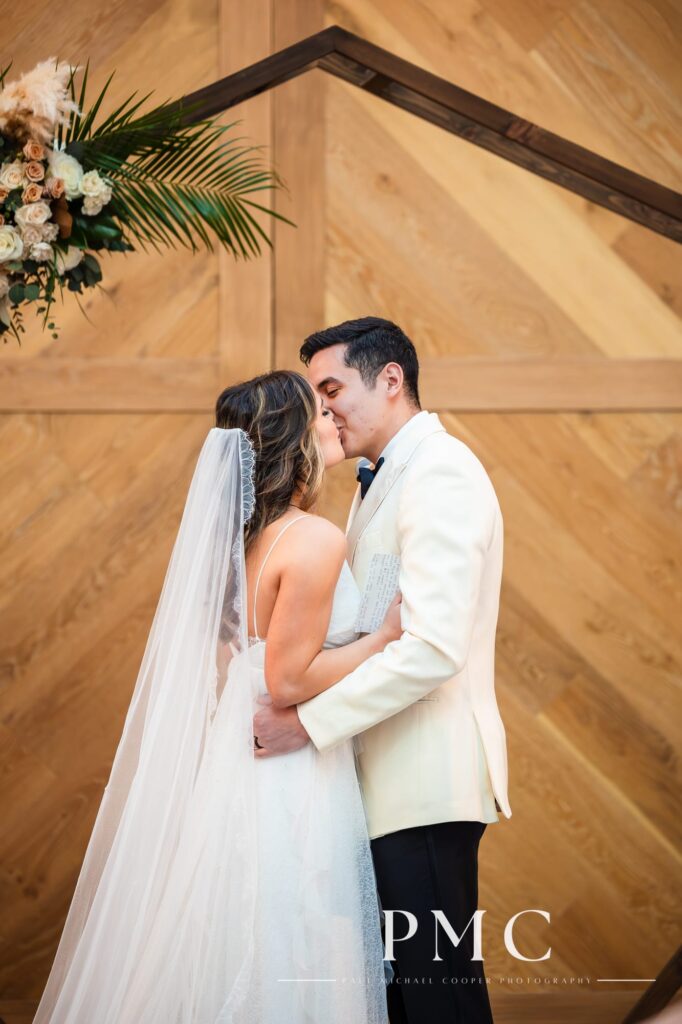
column 395, row 377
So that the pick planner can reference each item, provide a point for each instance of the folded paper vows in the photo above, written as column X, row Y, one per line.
column 380, row 589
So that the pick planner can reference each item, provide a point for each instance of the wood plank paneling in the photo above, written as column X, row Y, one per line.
column 300, row 145
column 446, row 382
column 247, row 287
column 545, row 384
column 536, row 316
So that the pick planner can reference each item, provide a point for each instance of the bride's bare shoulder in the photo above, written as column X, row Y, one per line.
column 317, row 539
column 316, row 529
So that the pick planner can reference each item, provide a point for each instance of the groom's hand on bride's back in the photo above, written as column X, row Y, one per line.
column 278, row 730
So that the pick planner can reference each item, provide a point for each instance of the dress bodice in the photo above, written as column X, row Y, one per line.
column 345, row 608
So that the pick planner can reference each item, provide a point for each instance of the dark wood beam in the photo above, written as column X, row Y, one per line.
column 657, row 996
column 439, row 101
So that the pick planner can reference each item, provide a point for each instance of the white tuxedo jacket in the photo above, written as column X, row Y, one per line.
column 433, row 745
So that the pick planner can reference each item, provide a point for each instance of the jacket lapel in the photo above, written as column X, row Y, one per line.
column 413, row 432
column 354, row 506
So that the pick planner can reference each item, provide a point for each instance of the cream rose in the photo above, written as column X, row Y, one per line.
column 4, row 285
column 66, row 167
column 92, row 184
column 97, row 193
column 12, row 175
column 49, row 231
column 69, row 259
column 11, row 245
column 92, row 206
column 34, row 150
column 33, row 213
column 41, row 251
column 31, row 234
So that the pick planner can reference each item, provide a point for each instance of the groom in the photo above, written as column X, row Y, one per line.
column 430, row 743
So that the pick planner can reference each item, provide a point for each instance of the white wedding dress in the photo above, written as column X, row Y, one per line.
column 318, row 938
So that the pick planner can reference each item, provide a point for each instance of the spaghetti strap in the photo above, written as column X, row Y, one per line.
column 260, row 571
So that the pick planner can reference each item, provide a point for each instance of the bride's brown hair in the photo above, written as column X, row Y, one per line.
column 278, row 411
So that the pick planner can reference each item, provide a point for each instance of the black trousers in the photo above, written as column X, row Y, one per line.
column 433, row 867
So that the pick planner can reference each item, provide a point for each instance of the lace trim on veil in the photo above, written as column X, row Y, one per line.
column 247, row 456
column 233, row 608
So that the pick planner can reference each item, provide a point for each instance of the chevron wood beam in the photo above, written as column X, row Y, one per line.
column 435, row 99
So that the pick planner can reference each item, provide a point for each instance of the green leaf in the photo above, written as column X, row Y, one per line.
column 16, row 293
column 100, row 229
column 3, row 74
column 92, row 268
column 31, row 292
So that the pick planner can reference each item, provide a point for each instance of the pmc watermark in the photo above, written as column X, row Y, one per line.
column 441, row 922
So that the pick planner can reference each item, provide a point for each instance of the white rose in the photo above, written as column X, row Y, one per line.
column 12, row 175
column 32, row 213
column 66, row 167
column 11, row 245
column 92, row 205
column 41, row 251
column 49, row 231
column 97, row 192
column 92, row 184
column 69, row 259
column 4, row 285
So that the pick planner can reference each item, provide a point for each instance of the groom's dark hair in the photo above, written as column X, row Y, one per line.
column 370, row 343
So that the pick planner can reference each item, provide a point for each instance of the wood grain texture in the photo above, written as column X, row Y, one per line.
column 247, row 292
column 299, row 120
column 536, row 315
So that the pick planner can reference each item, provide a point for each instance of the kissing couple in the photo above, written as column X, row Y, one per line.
column 313, row 748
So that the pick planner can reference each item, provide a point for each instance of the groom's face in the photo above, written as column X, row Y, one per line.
column 357, row 410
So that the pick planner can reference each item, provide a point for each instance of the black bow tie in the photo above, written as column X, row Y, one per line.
column 366, row 475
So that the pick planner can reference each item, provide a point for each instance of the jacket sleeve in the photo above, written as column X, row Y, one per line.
column 445, row 521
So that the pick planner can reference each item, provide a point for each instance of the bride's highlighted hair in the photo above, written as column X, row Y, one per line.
column 278, row 411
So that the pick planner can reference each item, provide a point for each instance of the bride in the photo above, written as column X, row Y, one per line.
column 219, row 887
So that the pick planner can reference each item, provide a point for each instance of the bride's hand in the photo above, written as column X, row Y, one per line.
column 391, row 628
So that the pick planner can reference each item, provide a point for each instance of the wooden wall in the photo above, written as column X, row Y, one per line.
column 528, row 307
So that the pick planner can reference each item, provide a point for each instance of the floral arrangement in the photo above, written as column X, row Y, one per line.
column 69, row 189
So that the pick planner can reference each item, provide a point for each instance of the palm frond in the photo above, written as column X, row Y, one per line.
column 172, row 191
column 3, row 74
column 174, row 182
column 170, row 212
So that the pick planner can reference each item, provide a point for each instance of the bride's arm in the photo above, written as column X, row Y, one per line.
column 296, row 668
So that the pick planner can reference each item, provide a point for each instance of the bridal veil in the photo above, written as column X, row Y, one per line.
column 162, row 927
column 166, row 854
